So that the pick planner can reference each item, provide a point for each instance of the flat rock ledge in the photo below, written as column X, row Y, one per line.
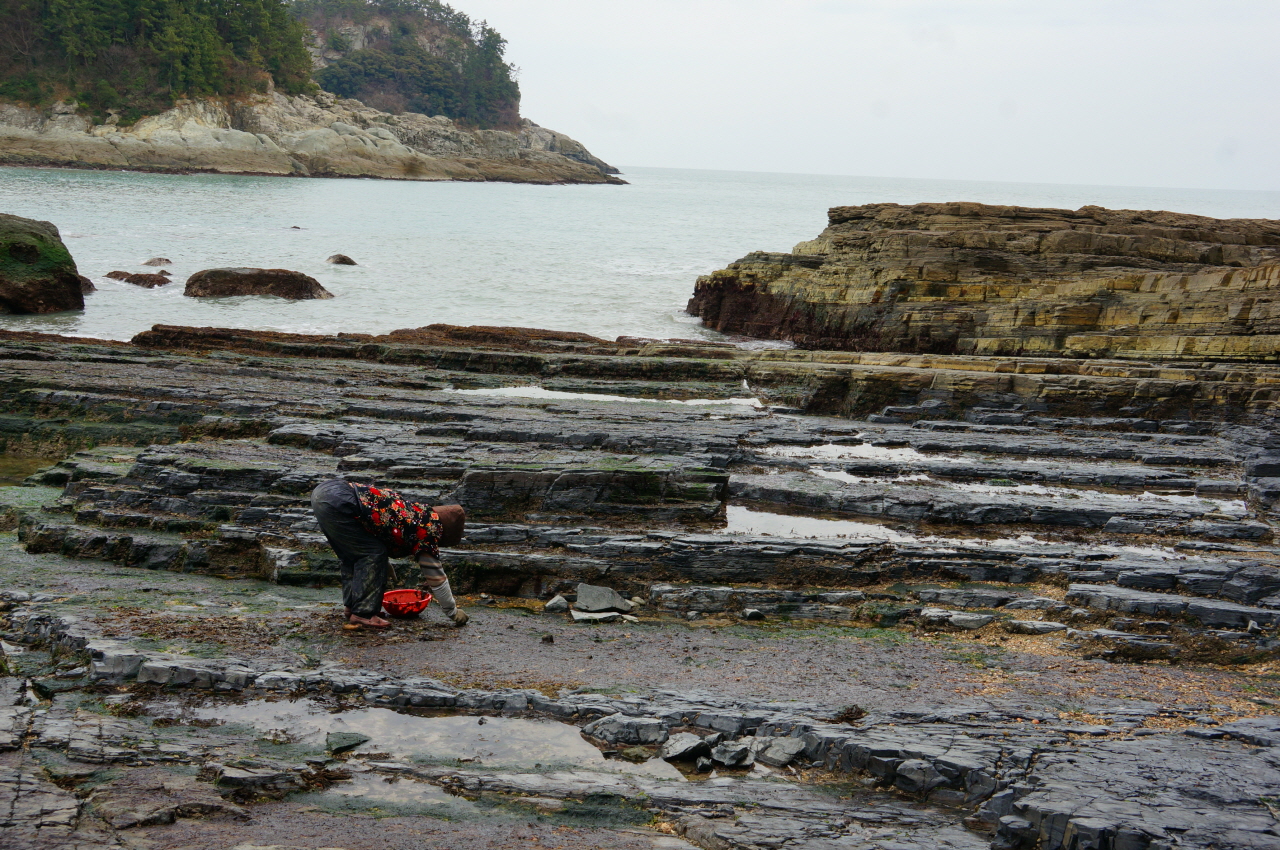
column 1022, row 776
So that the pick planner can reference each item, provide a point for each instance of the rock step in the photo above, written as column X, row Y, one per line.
column 921, row 502
column 1213, row 613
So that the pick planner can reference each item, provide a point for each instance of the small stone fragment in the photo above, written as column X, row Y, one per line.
column 733, row 754
column 752, row 614
column 684, row 746
column 556, row 605
column 1032, row 627
column 605, row 617
column 594, row 599
column 547, row 805
column 341, row 742
column 781, row 752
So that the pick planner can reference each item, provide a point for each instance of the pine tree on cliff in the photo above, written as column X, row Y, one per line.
column 139, row 55
column 417, row 56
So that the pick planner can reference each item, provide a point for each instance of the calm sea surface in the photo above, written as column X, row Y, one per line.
column 605, row 260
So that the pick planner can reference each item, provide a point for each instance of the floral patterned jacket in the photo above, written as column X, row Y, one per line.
column 407, row 528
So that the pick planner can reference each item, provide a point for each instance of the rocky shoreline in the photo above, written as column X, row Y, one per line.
column 303, row 136
column 897, row 601
column 968, row 278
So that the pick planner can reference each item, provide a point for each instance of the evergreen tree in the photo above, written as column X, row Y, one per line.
column 145, row 53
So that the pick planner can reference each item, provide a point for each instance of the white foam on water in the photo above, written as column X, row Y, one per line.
column 556, row 395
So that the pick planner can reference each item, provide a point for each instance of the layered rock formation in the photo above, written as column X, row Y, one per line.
column 303, row 136
column 971, row 278
column 971, row 581
column 37, row 274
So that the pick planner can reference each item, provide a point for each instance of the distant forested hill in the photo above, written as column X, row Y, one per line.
column 136, row 57
column 413, row 55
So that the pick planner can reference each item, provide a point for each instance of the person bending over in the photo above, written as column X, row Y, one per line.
column 366, row 526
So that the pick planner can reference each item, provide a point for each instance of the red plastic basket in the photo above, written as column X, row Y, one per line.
column 405, row 603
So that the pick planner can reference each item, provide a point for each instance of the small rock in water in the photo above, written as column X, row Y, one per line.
column 229, row 282
column 341, row 742
column 556, row 605
column 158, row 261
column 148, row 281
column 341, row 260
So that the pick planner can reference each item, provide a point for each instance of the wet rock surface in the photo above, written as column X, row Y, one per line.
column 934, row 632
column 37, row 273
column 226, row 283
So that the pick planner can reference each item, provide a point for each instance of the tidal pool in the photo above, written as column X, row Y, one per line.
column 489, row 742
column 558, row 395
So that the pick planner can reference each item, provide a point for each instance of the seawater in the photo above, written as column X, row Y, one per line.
column 604, row 260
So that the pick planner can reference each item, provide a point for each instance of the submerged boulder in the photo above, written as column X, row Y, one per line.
column 341, row 260
column 37, row 274
column 282, row 283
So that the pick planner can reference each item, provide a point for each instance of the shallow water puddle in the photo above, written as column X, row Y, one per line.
column 1227, row 507
column 741, row 520
column 14, row 470
column 557, row 395
column 745, row 521
column 864, row 451
column 491, row 742
column 397, row 794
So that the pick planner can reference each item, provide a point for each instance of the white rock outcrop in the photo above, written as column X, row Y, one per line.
column 306, row 136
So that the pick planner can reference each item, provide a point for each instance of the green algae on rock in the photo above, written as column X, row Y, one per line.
column 37, row 273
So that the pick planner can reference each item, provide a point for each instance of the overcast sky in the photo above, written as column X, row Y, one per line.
column 1179, row 93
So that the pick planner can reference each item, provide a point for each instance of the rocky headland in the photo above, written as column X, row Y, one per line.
column 967, row 278
column 720, row 598
column 300, row 135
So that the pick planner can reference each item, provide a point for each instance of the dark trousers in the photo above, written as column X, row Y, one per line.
column 362, row 556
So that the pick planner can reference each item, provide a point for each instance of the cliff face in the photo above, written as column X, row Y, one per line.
column 978, row 279
column 305, row 136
